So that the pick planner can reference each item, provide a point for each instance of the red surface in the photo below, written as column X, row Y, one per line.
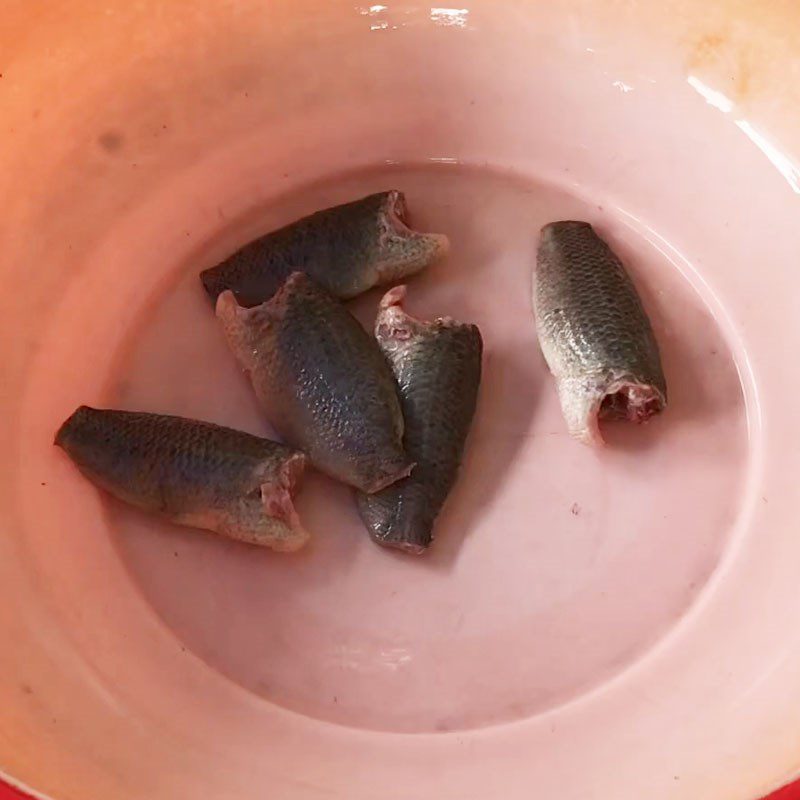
column 789, row 793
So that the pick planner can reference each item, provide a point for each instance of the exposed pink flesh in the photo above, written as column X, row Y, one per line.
column 622, row 400
column 388, row 480
column 396, row 222
column 394, row 297
column 278, row 503
column 398, row 212
column 395, row 322
column 631, row 401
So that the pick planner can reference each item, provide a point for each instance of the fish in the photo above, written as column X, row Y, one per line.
column 437, row 366
column 346, row 249
column 594, row 333
column 322, row 381
column 191, row 472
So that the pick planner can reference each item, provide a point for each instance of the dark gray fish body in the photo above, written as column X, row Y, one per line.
column 593, row 331
column 346, row 249
column 437, row 366
column 322, row 381
column 193, row 473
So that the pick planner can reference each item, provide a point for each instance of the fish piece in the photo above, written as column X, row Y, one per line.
column 322, row 381
column 193, row 473
column 594, row 333
column 346, row 249
column 437, row 366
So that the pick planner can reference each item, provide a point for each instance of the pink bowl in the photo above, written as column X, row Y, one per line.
column 616, row 624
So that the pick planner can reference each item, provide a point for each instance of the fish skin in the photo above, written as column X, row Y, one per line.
column 193, row 473
column 346, row 249
column 437, row 366
column 594, row 332
column 322, row 381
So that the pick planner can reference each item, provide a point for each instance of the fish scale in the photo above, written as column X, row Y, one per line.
column 593, row 331
column 347, row 249
column 437, row 366
column 192, row 472
column 322, row 381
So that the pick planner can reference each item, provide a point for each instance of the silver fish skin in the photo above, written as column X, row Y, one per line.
column 322, row 382
column 437, row 366
column 193, row 473
column 346, row 249
column 594, row 332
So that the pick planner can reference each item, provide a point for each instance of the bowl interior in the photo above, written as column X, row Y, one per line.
column 576, row 604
